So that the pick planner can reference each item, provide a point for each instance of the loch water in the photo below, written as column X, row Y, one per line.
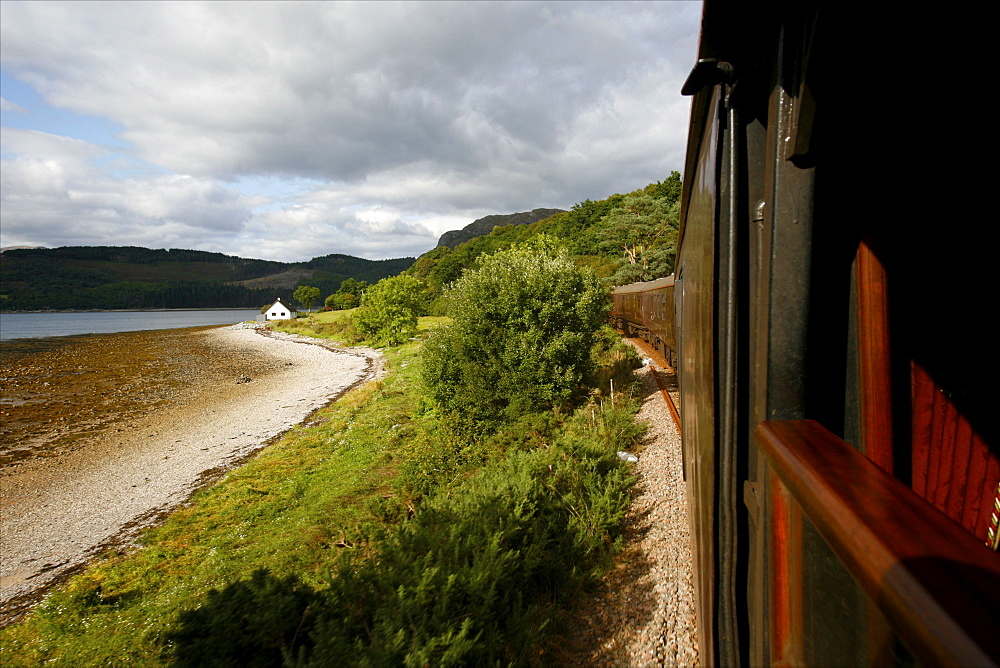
column 38, row 325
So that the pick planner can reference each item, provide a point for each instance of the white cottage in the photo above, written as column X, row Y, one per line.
column 278, row 311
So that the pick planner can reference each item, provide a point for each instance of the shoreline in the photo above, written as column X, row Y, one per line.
column 136, row 310
column 23, row 326
column 60, row 511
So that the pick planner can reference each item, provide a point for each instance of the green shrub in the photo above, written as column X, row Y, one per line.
column 613, row 363
column 389, row 310
column 473, row 578
column 523, row 322
column 341, row 301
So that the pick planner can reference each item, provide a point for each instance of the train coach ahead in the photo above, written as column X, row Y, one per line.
column 646, row 310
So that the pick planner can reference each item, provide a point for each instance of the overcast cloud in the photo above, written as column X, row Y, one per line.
column 291, row 130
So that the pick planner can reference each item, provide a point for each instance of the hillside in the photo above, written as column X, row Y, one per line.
column 130, row 277
column 286, row 280
column 623, row 238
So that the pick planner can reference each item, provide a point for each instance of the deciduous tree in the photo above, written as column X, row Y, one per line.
column 306, row 295
column 389, row 310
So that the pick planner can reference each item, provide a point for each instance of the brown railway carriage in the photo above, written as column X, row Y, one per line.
column 836, row 354
column 646, row 310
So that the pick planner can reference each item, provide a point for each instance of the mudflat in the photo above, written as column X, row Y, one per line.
column 102, row 434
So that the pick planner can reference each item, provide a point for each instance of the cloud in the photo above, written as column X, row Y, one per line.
column 54, row 188
column 7, row 105
column 422, row 111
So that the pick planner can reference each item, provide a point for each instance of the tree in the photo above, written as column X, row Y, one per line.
column 669, row 189
column 352, row 286
column 348, row 295
column 523, row 321
column 642, row 230
column 341, row 300
column 389, row 310
column 306, row 295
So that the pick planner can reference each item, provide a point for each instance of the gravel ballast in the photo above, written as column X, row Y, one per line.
column 643, row 613
column 60, row 509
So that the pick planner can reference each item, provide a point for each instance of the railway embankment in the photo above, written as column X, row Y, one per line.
column 643, row 612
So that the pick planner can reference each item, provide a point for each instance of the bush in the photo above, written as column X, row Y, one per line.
column 523, row 321
column 614, row 362
column 389, row 309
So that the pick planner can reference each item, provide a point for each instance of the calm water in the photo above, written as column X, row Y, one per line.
column 37, row 325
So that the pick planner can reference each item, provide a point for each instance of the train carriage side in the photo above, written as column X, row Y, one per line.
column 658, row 316
column 646, row 310
column 835, row 362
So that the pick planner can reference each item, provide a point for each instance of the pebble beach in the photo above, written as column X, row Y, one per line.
column 103, row 434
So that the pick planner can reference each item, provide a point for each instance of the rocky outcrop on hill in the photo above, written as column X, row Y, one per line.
column 486, row 224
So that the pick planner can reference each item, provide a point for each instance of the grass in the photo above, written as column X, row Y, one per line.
column 339, row 326
column 334, row 325
column 380, row 536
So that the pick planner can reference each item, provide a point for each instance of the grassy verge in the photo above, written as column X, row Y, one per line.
column 380, row 537
column 335, row 325
column 339, row 326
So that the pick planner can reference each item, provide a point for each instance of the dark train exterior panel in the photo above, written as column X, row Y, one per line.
column 819, row 303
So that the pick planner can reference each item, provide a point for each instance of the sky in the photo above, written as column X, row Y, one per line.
column 286, row 131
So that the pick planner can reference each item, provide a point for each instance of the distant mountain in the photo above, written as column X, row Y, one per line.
column 478, row 228
column 130, row 277
column 7, row 248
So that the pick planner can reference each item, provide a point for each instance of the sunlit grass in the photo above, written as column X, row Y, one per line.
column 333, row 316
column 426, row 323
column 338, row 326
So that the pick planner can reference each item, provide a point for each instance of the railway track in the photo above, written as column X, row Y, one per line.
column 665, row 376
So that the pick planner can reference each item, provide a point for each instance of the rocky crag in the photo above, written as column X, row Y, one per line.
column 485, row 225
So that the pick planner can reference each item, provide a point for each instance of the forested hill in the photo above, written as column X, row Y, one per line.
column 124, row 277
column 622, row 238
